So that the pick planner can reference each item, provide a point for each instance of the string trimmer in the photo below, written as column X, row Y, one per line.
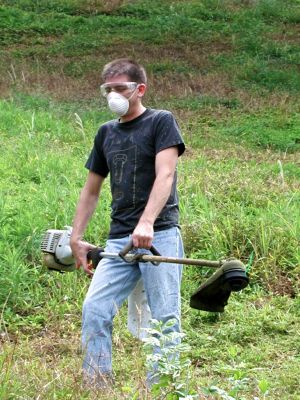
column 212, row 295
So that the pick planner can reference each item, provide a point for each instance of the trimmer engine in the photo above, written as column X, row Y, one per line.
column 57, row 253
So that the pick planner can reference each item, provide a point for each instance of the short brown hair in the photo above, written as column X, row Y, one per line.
column 125, row 66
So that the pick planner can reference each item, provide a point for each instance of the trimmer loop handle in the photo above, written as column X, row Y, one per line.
column 129, row 246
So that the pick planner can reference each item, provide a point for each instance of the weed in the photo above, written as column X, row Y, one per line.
column 165, row 356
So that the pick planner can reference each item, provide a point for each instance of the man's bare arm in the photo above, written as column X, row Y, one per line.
column 86, row 206
column 165, row 166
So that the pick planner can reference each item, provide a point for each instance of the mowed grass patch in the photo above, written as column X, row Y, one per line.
column 62, row 48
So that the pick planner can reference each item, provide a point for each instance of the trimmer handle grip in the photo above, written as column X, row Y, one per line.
column 94, row 256
column 129, row 246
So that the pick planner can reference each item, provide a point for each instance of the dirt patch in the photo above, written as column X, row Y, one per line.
column 188, row 63
column 281, row 285
column 261, row 302
column 289, row 34
column 100, row 6
column 63, row 87
column 56, row 84
column 7, row 337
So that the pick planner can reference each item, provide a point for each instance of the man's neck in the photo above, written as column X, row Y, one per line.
column 134, row 114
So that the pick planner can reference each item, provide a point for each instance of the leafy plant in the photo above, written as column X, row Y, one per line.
column 167, row 362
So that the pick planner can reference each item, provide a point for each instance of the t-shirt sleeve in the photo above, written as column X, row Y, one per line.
column 97, row 161
column 167, row 133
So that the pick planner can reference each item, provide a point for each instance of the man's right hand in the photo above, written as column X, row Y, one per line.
column 80, row 250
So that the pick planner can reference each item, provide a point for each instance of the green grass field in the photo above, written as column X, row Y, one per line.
column 229, row 71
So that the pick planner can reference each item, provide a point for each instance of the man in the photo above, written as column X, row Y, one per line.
column 140, row 152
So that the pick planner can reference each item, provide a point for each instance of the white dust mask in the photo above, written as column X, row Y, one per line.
column 118, row 103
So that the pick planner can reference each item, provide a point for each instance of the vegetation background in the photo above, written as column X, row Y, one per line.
column 229, row 71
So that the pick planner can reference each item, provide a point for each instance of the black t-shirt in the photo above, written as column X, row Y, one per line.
column 127, row 151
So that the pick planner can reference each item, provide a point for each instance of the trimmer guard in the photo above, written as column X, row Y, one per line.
column 213, row 294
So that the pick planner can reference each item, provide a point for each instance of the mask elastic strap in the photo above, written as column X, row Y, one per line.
column 132, row 93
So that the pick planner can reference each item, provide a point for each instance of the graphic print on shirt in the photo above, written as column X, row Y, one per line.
column 122, row 165
column 119, row 161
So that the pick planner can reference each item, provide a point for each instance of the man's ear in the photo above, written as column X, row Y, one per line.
column 141, row 89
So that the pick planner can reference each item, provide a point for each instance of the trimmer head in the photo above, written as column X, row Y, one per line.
column 213, row 294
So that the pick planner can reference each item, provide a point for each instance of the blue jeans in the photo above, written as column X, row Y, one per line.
column 112, row 283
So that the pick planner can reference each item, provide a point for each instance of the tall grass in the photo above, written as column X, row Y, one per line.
column 234, row 207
